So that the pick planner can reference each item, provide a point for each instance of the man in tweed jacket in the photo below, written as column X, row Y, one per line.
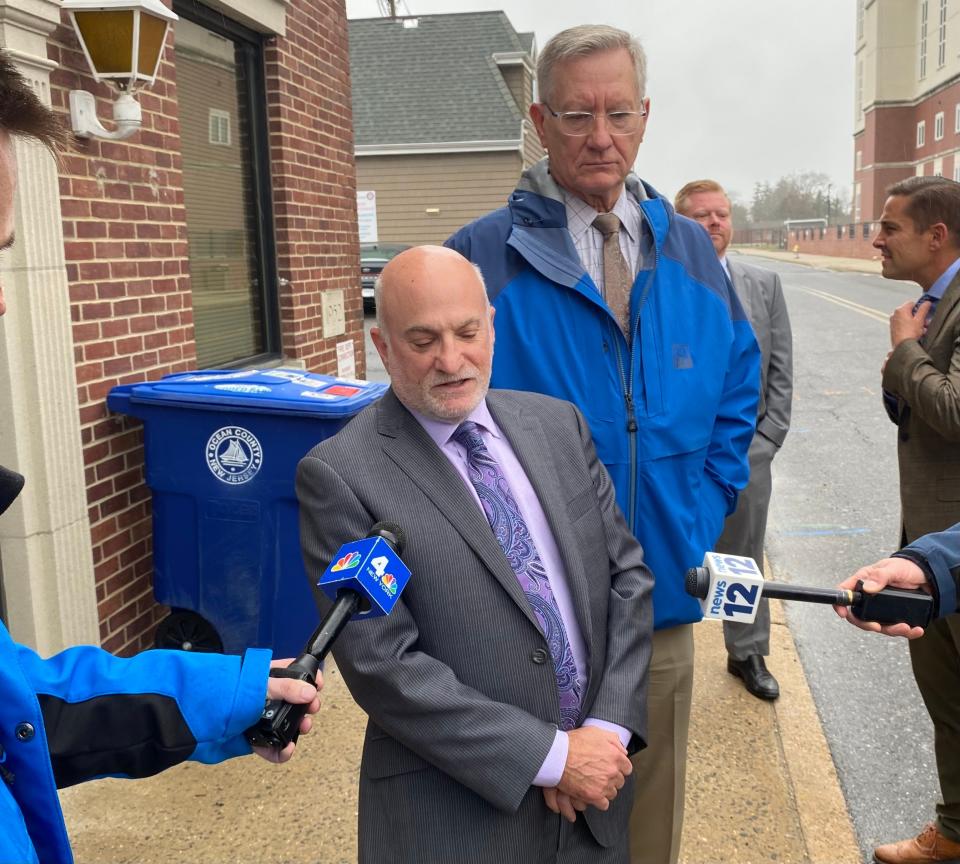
column 465, row 759
column 919, row 239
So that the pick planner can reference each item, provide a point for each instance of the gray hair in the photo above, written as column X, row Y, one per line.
column 582, row 41
column 378, row 294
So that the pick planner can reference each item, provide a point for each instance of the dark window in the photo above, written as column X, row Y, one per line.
column 839, row 232
column 867, row 230
column 222, row 111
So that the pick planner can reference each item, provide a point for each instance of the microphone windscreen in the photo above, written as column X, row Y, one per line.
column 10, row 485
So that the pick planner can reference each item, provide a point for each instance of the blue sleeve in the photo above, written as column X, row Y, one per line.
column 940, row 553
column 132, row 717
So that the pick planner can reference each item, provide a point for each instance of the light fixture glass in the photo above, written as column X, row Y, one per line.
column 122, row 41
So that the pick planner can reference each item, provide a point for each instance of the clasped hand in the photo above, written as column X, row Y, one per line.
column 596, row 769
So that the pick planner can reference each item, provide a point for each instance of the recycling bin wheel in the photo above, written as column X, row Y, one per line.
column 184, row 630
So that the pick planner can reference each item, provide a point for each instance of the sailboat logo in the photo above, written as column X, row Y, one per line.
column 234, row 455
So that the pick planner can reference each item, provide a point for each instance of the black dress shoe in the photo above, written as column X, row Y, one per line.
column 755, row 675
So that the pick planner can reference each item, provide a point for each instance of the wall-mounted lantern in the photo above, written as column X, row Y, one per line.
column 123, row 41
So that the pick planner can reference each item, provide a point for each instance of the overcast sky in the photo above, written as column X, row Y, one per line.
column 741, row 90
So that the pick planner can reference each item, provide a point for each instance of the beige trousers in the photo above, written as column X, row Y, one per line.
column 656, row 820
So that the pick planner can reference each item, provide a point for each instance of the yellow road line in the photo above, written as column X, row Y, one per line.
column 876, row 314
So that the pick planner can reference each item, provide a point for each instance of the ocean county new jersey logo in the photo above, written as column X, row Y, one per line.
column 234, row 455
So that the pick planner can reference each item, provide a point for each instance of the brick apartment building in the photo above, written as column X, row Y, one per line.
column 223, row 233
column 907, row 96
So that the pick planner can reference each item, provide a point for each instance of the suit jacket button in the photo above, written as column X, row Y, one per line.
column 539, row 656
column 24, row 731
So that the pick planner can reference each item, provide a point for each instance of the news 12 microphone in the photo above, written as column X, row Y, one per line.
column 729, row 588
column 364, row 580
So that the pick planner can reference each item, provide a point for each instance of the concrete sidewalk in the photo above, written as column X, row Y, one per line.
column 761, row 786
column 825, row 262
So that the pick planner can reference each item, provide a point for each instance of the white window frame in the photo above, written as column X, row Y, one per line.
column 956, row 169
column 938, row 126
column 222, row 122
column 942, row 36
column 921, row 133
column 858, row 161
column 918, row 171
column 924, row 8
column 938, row 167
column 956, row 118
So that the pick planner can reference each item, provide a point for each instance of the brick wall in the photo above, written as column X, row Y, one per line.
column 850, row 244
column 314, row 183
column 126, row 249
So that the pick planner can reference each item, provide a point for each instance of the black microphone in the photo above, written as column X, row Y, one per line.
column 364, row 580
column 10, row 485
column 889, row 606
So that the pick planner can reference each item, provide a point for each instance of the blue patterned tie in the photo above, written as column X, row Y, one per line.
column 514, row 538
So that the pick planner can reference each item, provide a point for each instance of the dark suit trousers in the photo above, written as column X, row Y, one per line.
column 743, row 534
column 936, row 666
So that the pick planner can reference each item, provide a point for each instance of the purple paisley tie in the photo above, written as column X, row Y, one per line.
column 514, row 538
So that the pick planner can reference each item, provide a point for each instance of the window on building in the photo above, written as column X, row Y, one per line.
column 938, row 167
column 923, row 38
column 956, row 169
column 860, row 89
column 858, row 160
column 942, row 35
column 226, row 191
column 938, row 126
column 918, row 170
column 956, row 118
column 219, row 127
column 856, row 202
column 921, row 133
column 859, row 20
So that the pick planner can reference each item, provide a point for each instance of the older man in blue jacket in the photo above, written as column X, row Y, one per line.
column 85, row 713
column 606, row 298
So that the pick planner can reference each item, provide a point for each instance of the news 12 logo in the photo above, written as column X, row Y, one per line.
column 347, row 562
column 387, row 580
column 736, row 584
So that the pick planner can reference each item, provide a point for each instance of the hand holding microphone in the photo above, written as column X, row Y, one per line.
column 364, row 580
column 730, row 586
column 896, row 573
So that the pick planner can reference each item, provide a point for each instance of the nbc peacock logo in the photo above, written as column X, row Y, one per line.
column 389, row 582
column 347, row 562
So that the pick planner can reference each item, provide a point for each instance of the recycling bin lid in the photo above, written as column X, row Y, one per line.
column 272, row 391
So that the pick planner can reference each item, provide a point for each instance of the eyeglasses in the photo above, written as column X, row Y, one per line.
column 579, row 123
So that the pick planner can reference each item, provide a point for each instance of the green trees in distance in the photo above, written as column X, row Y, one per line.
column 802, row 195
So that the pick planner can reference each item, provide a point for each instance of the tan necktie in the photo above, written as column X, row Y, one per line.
column 617, row 278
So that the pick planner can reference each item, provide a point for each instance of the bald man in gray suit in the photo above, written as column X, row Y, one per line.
column 761, row 294
column 508, row 686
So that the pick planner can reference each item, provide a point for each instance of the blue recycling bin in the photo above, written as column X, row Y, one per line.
column 221, row 451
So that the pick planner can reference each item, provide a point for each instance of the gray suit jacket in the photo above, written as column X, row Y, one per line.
column 462, row 707
column 925, row 378
column 761, row 294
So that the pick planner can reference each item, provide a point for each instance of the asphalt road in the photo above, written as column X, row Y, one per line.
column 835, row 507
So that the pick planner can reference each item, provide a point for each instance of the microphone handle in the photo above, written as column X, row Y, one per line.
column 808, row 594
column 279, row 722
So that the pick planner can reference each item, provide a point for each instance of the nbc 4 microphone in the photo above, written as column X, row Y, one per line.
column 729, row 588
column 364, row 580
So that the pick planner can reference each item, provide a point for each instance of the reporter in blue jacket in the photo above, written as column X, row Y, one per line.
column 85, row 713
column 608, row 299
column 931, row 562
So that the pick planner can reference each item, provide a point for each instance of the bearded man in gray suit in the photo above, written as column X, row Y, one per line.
column 761, row 294
column 508, row 686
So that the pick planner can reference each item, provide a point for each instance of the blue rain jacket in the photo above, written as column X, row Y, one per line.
column 673, row 414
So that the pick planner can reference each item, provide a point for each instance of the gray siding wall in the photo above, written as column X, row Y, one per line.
column 461, row 186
